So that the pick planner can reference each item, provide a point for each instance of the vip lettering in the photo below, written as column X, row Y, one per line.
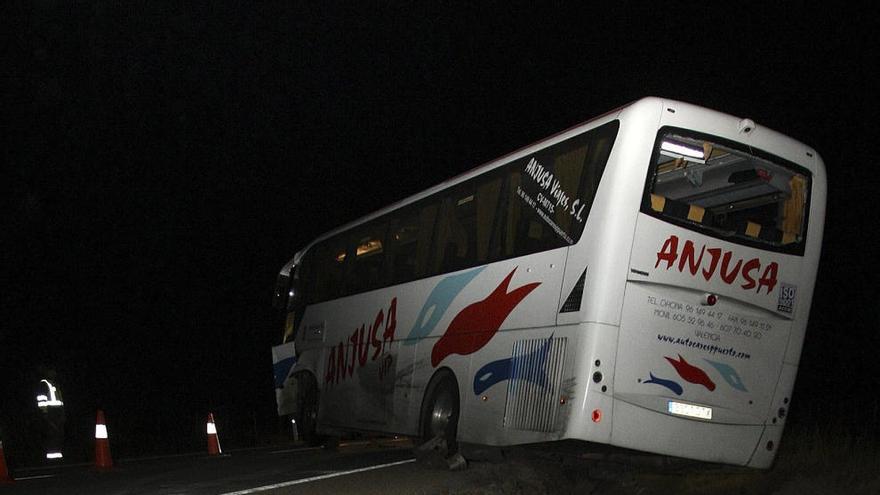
column 342, row 359
column 714, row 262
column 386, row 367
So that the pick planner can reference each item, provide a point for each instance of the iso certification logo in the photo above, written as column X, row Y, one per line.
column 787, row 294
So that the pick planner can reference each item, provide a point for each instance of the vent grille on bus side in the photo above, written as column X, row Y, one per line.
column 533, row 390
column 573, row 303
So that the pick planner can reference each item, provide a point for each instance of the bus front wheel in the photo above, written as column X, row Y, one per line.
column 307, row 410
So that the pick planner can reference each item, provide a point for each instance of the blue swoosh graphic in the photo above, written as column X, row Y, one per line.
column 282, row 369
column 530, row 367
column 490, row 374
column 729, row 374
column 671, row 385
column 437, row 304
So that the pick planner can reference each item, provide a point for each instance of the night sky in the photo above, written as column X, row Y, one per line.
column 160, row 165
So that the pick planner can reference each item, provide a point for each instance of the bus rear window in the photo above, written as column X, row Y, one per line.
column 728, row 191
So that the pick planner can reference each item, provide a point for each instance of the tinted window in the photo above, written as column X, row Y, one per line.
column 468, row 228
column 549, row 193
column 324, row 270
column 365, row 251
column 536, row 203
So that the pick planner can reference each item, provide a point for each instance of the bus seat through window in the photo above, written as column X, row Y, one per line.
column 677, row 209
column 793, row 208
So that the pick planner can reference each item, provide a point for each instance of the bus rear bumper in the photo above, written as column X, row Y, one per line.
column 639, row 428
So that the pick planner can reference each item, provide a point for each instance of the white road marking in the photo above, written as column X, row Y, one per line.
column 316, row 478
column 301, row 449
column 38, row 477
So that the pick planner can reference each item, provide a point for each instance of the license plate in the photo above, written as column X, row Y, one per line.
column 689, row 410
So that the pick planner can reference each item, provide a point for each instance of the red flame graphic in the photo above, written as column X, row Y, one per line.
column 476, row 324
column 691, row 373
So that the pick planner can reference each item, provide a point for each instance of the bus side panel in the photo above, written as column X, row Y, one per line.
column 504, row 302
column 354, row 358
column 381, row 348
column 535, row 404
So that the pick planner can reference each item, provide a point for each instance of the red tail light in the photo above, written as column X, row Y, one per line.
column 709, row 300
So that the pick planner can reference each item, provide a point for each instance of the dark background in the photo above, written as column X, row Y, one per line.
column 161, row 163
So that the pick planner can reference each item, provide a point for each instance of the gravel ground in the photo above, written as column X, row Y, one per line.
column 528, row 471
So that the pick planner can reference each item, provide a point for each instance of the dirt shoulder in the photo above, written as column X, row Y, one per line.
column 809, row 462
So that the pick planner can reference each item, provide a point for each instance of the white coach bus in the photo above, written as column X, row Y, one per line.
column 641, row 280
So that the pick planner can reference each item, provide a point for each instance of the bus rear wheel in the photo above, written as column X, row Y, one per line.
column 440, row 415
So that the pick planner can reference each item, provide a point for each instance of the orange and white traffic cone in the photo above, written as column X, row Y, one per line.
column 102, row 443
column 213, row 440
column 4, row 471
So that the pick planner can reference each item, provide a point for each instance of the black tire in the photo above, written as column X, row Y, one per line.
column 307, row 410
column 440, row 411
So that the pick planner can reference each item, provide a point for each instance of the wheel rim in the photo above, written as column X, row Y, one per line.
column 441, row 414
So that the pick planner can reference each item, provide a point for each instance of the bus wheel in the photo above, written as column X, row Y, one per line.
column 440, row 415
column 307, row 410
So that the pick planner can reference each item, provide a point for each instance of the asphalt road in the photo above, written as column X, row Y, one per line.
column 255, row 470
column 368, row 467
column 387, row 466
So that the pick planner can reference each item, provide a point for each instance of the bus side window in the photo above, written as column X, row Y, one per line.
column 525, row 231
column 453, row 250
column 327, row 270
column 366, row 270
column 512, row 216
column 594, row 164
column 568, row 168
column 409, row 242
column 427, row 226
column 403, row 246
column 487, row 222
column 547, row 215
